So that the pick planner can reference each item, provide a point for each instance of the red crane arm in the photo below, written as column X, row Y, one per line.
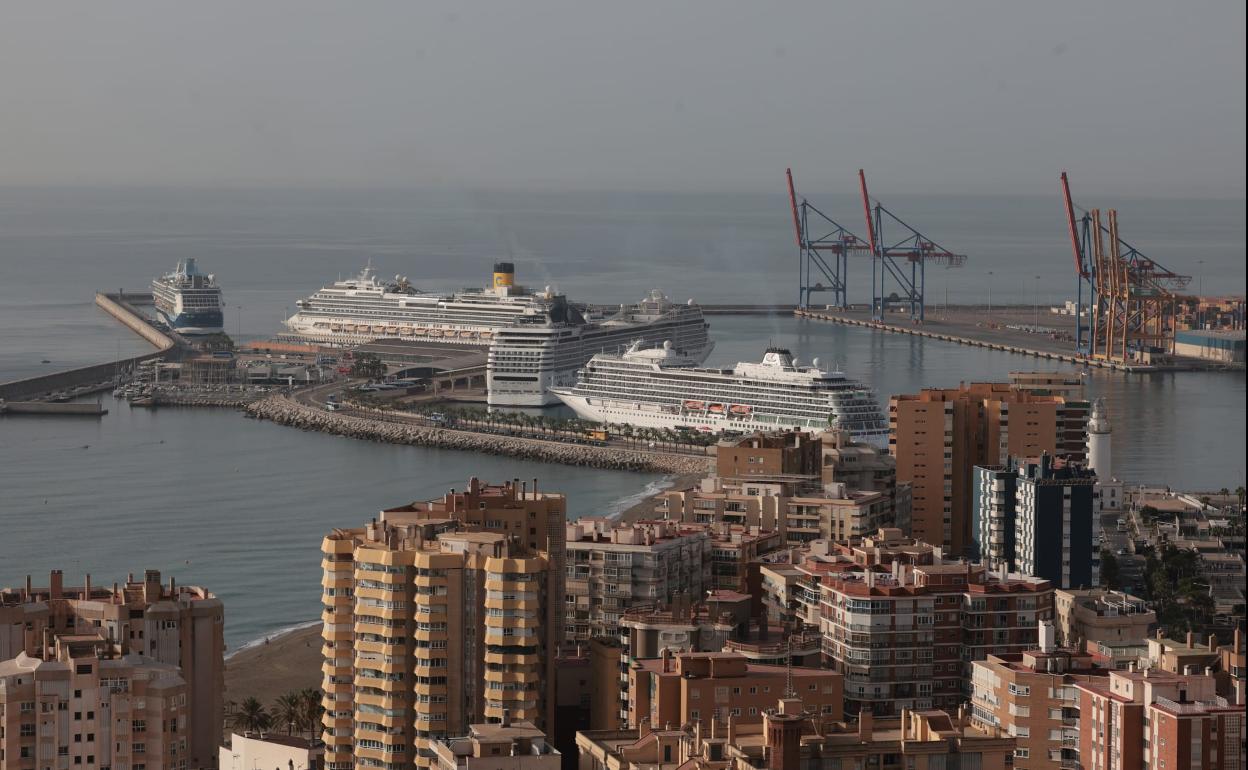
column 797, row 222
column 866, row 208
column 1074, row 232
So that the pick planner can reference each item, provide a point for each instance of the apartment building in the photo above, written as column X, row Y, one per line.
column 1159, row 721
column 792, row 736
column 135, row 626
column 1100, row 615
column 505, row 746
column 1038, row 517
column 713, row 687
column 430, row 627
column 81, row 700
column 863, row 467
column 724, row 621
column 612, row 566
column 249, row 751
column 938, row 436
column 1031, row 696
column 903, row 624
column 775, row 481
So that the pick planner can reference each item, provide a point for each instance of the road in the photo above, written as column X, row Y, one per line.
column 1122, row 546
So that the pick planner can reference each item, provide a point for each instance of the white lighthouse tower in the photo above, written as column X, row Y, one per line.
column 1098, row 442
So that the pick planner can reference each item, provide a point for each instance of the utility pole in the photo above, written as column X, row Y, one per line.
column 989, row 292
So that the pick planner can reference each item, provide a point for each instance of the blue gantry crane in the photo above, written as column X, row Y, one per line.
column 823, row 247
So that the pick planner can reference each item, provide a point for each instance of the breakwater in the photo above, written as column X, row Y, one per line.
column 286, row 411
column 86, row 379
column 52, row 409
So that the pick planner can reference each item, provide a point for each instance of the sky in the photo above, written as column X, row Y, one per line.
column 1143, row 97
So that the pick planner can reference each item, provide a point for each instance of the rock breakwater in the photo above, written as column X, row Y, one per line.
column 286, row 411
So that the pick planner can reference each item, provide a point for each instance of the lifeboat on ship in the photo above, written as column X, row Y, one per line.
column 741, row 410
column 405, row 331
column 435, row 332
column 696, row 406
column 715, row 408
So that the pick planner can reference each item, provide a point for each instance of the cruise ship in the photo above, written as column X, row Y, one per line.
column 660, row 388
column 188, row 300
column 530, row 357
column 535, row 340
column 365, row 308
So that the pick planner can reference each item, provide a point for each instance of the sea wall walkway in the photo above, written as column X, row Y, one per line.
column 364, row 424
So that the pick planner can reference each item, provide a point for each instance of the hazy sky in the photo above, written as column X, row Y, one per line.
column 1143, row 97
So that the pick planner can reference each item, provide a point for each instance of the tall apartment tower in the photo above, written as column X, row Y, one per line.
column 939, row 436
column 1038, row 517
column 94, row 649
column 439, row 616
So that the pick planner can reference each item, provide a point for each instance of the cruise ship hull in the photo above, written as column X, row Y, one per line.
column 650, row 415
column 537, row 392
column 194, row 324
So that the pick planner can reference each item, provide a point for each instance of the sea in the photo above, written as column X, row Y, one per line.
column 240, row 506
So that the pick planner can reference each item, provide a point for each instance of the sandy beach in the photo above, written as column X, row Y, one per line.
column 644, row 509
column 290, row 661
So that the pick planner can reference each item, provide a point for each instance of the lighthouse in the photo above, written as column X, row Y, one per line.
column 1098, row 441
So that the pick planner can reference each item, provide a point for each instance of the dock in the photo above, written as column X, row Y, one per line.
column 52, row 409
column 1003, row 331
column 97, row 377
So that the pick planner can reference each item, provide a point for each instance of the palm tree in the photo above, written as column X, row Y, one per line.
column 310, row 710
column 250, row 716
column 287, row 710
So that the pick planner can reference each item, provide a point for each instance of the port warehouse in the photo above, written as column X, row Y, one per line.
column 1226, row 346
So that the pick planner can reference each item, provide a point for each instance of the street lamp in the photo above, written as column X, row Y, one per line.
column 1200, row 277
column 989, row 292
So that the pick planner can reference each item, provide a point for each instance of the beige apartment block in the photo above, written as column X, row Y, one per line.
column 139, row 622
column 80, row 700
column 1032, row 697
column 432, row 626
column 713, row 687
column 280, row 752
column 938, row 436
column 506, row 746
column 1100, row 615
column 613, row 566
column 793, row 736
column 901, row 622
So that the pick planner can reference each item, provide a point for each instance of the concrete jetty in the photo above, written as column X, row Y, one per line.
column 52, row 409
column 984, row 338
column 89, row 379
column 286, row 411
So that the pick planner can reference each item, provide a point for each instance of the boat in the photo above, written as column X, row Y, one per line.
column 776, row 393
column 189, row 301
column 534, row 339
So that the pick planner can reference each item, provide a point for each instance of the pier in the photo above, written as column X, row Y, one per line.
column 52, row 409
column 97, row 377
column 1005, row 329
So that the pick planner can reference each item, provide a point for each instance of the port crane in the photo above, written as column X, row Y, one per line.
column 892, row 258
column 823, row 252
column 1131, row 299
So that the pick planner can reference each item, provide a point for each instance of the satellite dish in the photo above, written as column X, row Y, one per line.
column 667, row 344
column 815, row 362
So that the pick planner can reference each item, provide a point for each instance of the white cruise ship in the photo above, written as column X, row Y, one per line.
column 362, row 309
column 188, row 300
column 660, row 388
column 534, row 355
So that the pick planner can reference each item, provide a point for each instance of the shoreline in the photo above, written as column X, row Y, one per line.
column 275, row 664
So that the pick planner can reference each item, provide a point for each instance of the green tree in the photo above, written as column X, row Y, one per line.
column 368, row 366
column 1110, row 572
column 310, row 711
column 287, row 711
column 251, row 716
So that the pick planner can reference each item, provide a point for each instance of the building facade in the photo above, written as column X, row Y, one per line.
column 430, row 626
column 140, row 623
column 1100, row 615
column 939, row 436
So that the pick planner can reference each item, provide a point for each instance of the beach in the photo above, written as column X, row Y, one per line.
column 288, row 661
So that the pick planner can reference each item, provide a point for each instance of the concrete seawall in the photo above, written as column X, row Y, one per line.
column 51, row 409
column 33, row 387
column 285, row 411
column 1070, row 358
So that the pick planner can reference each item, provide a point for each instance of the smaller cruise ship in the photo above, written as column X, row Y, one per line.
column 661, row 388
column 189, row 301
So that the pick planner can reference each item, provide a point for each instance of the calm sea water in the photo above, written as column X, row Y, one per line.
column 240, row 506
